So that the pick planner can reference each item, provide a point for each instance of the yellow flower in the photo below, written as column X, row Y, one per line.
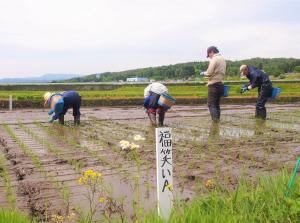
column 170, row 187
column 89, row 177
column 101, row 199
column 210, row 184
column 71, row 216
column 57, row 218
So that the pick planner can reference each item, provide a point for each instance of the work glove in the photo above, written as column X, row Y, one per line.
column 50, row 112
column 50, row 120
column 244, row 89
column 202, row 73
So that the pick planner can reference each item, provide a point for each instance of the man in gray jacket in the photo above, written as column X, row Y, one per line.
column 215, row 74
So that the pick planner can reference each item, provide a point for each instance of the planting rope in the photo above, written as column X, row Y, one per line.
column 293, row 178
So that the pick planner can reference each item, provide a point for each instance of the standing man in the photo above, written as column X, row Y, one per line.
column 59, row 104
column 215, row 74
column 151, row 94
column 260, row 80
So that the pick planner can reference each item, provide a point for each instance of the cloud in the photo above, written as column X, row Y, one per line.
column 79, row 36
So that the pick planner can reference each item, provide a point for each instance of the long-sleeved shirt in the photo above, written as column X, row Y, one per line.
column 56, row 103
column 61, row 102
column 216, row 69
column 156, row 87
column 257, row 78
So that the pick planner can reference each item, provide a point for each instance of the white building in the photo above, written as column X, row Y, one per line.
column 137, row 79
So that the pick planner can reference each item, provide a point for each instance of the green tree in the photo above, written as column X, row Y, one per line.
column 297, row 69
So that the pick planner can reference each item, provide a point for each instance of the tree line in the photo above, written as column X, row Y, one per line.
column 277, row 67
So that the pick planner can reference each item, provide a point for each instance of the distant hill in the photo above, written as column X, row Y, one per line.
column 46, row 78
column 277, row 67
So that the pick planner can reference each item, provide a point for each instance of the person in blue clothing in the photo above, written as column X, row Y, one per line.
column 59, row 104
column 152, row 94
column 259, row 79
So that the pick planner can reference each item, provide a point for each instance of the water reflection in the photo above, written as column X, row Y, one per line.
column 214, row 133
column 260, row 126
column 150, row 134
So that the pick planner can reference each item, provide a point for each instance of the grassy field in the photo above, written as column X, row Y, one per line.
column 288, row 89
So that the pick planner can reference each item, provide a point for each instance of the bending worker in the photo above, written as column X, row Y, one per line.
column 151, row 94
column 215, row 74
column 59, row 104
column 260, row 80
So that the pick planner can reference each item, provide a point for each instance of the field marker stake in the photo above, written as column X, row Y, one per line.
column 10, row 102
column 293, row 178
column 164, row 171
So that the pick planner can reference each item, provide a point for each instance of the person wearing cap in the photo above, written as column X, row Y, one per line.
column 215, row 74
column 151, row 94
column 59, row 104
column 259, row 79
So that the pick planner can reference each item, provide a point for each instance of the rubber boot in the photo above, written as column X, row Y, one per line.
column 261, row 113
column 161, row 119
column 61, row 120
column 152, row 118
column 256, row 112
column 218, row 113
column 214, row 114
column 77, row 120
column 264, row 113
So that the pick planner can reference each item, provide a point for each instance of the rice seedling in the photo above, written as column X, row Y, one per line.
column 9, row 191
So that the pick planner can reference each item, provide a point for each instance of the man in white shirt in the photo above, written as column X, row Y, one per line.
column 151, row 94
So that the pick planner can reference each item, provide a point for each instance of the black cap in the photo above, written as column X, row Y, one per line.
column 212, row 48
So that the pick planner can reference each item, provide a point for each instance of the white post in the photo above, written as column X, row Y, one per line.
column 164, row 172
column 10, row 102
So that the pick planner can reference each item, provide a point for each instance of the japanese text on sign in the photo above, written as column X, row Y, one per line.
column 164, row 171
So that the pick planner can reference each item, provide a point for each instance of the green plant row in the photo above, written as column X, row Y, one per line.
column 51, row 148
column 64, row 191
column 10, row 193
column 288, row 89
column 13, row 216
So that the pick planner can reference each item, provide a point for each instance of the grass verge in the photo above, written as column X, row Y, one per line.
column 9, row 216
column 260, row 201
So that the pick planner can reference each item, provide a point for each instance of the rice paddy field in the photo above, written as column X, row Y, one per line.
column 289, row 89
column 234, row 171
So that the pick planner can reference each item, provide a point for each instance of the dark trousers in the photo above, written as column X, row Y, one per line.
column 72, row 100
column 215, row 92
column 264, row 92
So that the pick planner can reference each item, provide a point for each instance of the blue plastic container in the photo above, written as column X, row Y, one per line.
column 226, row 91
column 275, row 92
column 166, row 100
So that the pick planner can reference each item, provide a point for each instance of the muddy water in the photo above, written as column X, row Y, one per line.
column 104, row 113
column 237, row 147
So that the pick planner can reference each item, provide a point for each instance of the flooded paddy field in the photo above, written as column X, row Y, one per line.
column 43, row 162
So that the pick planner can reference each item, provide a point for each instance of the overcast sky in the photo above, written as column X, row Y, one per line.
column 91, row 36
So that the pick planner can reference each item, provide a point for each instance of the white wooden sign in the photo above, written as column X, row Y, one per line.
column 164, row 170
